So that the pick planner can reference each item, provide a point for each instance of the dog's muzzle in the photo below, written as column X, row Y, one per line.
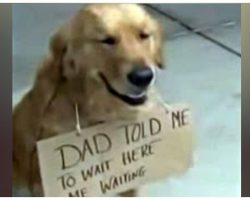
column 131, row 99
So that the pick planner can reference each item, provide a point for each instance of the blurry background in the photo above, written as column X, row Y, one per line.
column 203, row 58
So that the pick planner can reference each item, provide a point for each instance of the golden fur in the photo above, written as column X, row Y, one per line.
column 69, row 75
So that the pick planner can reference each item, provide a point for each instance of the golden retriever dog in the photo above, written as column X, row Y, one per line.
column 103, row 60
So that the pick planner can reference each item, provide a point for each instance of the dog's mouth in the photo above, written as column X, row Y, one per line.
column 131, row 99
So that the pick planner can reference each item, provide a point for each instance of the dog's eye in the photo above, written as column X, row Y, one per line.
column 144, row 36
column 109, row 41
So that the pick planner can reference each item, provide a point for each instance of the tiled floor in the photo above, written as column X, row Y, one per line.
column 199, row 73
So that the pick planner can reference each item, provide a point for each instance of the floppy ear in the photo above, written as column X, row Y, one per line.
column 50, row 75
column 58, row 44
column 60, row 51
column 159, row 50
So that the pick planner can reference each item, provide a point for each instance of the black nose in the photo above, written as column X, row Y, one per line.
column 141, row 76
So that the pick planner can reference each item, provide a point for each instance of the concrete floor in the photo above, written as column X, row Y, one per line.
column 198, row 72
column 209, row 78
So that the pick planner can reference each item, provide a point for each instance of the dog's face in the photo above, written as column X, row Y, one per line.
column 118, row 45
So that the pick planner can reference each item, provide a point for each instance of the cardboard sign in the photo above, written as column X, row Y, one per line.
column 112, row 158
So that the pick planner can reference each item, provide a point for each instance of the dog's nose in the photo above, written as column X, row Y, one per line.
column 141, row 76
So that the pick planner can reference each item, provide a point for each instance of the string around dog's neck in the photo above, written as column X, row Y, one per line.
column 78, row 124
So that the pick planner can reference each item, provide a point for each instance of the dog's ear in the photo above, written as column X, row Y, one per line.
column 50, row 73
column 60, row 51
column 159, row 49
column 58, row 43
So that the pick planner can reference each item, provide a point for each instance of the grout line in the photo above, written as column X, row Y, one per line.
column 189, row 28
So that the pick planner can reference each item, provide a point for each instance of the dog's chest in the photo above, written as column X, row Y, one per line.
column 62, row 118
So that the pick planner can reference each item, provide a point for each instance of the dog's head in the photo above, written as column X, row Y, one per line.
column 119, row 45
